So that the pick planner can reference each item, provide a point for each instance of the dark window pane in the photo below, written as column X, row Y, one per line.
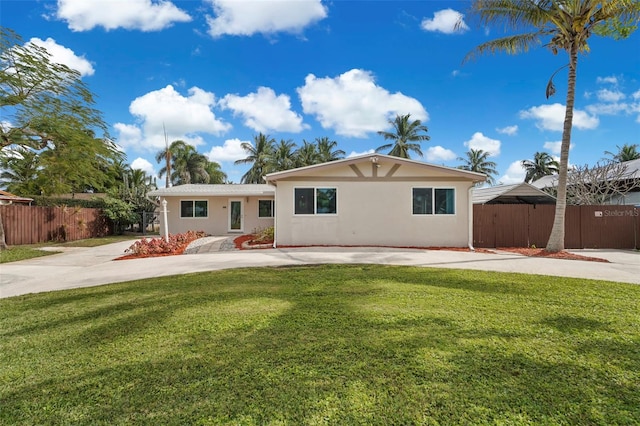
column 186, row 208
column 265, row 208
column 200, row 209
column 422, row 201
column 445, row 201
column 303, row 201
column 326, row 201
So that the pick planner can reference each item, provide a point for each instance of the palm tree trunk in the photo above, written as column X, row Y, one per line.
column 556, row 238
column 3, row 242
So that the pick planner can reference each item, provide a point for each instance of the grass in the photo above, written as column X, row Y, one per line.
column 29, row 251
column 332, row 344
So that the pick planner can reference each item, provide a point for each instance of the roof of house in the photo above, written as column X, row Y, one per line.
column 8, row 198
column 210, row 190
column 374, row 157
column 632, row 171
column 519, row 193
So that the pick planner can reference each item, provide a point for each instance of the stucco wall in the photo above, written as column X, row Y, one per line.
column 217, row 222
column 372, row 212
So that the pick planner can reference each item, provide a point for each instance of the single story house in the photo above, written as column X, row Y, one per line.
column 373, row 199
column 519, row 193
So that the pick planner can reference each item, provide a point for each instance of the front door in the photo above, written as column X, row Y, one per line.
column 236, row 218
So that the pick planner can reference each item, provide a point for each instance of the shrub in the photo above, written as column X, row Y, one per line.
column 263, row 236
column 176, row 245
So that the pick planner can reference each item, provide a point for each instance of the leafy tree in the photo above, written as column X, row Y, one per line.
column 327, row 150
column 283, row 157
column 563, row 25
column 542, row 165
column 476, row 160
column 406, row 136
column 46, row 106
column 259, row 156
column 120, row 212
column 307, row 154
column 626, row 152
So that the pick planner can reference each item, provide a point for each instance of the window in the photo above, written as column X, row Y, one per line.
column 265, row 208
column 192, row 208
column 315, row 200
column 433, row 201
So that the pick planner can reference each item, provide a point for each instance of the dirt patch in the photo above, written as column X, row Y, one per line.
column 538, row 252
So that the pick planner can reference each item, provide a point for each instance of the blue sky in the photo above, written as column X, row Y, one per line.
column 217, row 72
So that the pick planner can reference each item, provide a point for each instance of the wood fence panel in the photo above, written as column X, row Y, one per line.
column 484, row 234
column 609, row 226
column 540, row 224
column 517, row 234
column 32, row 224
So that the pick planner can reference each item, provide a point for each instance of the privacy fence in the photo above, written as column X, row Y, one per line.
column 523, row 225
column 29, row 225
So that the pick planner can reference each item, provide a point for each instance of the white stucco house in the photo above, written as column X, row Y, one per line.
column 372, row 199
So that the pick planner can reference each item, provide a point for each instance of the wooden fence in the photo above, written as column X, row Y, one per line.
column 523, row 225
column 29, row 225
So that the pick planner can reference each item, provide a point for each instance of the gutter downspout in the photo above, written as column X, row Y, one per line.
column 470, row 218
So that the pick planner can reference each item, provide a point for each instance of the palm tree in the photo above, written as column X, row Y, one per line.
column 259, row 157
column 542, row 165
column 307, row 154
column 284, row 157
column 19, row 171
column 477, row 161
column 168, row 155
column 405, row 136
column 327, row 150
column 560, row 25
column 216, row 175
column 627, row 152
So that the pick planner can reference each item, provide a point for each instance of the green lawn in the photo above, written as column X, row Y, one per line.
column 314, row 345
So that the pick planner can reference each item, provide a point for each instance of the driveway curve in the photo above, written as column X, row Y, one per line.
column 86, row 267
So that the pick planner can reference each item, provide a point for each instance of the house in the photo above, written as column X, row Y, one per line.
column 7, row 198
column 372, row 199
column 217, row 209
column 519, row 193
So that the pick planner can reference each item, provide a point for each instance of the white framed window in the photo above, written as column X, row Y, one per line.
column 194, row 208
column 428, row 201
column 265, row 209
column 315, row 201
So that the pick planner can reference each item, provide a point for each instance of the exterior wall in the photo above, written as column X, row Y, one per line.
column 217, row 222
column 372, row 212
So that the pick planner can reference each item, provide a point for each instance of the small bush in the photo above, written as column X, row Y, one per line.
column 176, row 245
column 263, row 236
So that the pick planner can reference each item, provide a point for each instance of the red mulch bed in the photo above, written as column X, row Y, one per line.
column 538, row 252
column 144, row 256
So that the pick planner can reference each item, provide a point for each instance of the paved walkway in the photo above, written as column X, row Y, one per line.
column 85, row 267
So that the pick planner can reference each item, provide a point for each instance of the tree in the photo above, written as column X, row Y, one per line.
column 600, row 183
column 406, row 137
column 327, row 150
column 542, row 165
column 476, row 160
column 168, row 155
column 626, row 152
column 307, row 154
column 259, row 156
column 19, row 171
column 216, row 175
column 283, row 157
column 46, row 106
column 563, row 25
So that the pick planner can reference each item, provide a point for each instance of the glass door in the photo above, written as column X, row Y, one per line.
column 235, row 216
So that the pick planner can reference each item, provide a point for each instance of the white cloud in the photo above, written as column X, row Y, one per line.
column 264, row 112
column 144, row 165
column 438, row 153
column 183, row 117
column 636, row 95
column 554, row 147
column 515, row 174
column 445, row 21
column 230, row 151
column 250, row 17
column 480, row 141
column 64, row 55
column 509, row 130
column 551, row 117
column 609, row 80
column 144, row 15
column 356, row 154
column 353, row 105
column 606, row 95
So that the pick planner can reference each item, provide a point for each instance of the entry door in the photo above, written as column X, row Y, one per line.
column 236, row 217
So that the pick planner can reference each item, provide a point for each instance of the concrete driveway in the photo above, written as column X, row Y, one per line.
column 85, row 267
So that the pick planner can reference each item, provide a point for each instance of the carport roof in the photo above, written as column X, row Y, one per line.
column 519, row 193
column 206, row 190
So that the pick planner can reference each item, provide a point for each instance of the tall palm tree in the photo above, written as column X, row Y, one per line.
column 476, row 160
column 216, row 175
column 327, row 150
column 542, row 165
column 307, row 154
column 259, row 156
column 560, row 25
column 284, row 157
column 406, row 136
column 168, row 156
column 626, row 152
